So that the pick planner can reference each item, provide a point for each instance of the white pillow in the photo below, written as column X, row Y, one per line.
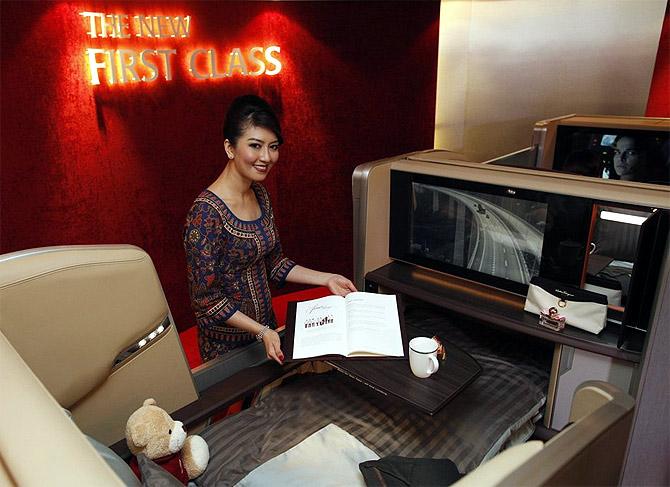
column 329, row 457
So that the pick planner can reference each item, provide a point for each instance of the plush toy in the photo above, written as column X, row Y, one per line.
column 151, row 431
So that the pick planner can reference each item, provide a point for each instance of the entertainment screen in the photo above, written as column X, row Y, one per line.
column 612, row 153
column 496, row 235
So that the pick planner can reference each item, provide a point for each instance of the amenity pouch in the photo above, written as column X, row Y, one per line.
column 582, row 309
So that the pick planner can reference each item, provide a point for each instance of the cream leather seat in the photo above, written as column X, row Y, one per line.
column 75, row 314
column 39, row 444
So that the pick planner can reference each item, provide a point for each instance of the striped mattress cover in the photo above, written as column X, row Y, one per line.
column 498, row 407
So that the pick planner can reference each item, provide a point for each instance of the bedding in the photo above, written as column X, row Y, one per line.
column 329, row 458
column 499, row 404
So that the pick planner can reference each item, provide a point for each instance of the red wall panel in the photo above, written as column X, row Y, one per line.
column 85, row 164
column 658, row 104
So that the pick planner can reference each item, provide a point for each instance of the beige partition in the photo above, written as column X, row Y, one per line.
column 503, row 65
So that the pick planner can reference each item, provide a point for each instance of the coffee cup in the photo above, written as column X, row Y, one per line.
column 423, row 356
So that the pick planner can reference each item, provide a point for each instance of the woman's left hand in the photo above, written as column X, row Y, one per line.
column 272, row 345
column 340, row 285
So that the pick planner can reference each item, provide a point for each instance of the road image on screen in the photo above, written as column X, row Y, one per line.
column 496, row 235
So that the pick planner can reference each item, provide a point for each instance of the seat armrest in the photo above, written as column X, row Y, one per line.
column 500, row 466
column 592, row 395
column 218, row 397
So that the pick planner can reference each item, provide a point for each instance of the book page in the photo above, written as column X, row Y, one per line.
column 373, row 324
column 320, row 327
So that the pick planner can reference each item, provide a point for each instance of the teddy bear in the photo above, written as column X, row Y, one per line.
column 151, row 431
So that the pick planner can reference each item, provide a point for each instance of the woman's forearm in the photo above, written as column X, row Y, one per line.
column 270, row 338
column 336, row 283
column 304, row 275
column 244, row 322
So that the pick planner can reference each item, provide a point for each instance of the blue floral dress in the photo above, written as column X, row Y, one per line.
column 229, row 265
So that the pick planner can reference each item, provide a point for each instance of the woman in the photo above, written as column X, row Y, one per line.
column 232, row 246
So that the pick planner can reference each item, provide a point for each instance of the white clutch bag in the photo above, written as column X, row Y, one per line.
column 582, row 309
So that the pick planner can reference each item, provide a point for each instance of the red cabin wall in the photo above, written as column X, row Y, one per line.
column 85, row 164
column 659, row 93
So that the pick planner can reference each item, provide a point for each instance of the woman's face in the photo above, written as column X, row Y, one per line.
column 627, row 158
column 255, row 152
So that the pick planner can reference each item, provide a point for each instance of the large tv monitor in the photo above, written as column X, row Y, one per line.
column 498, row 235
column 625, row 148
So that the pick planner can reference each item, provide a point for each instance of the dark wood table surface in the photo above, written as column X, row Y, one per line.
column 395, row 378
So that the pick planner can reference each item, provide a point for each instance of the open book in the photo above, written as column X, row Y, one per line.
column 358, row 325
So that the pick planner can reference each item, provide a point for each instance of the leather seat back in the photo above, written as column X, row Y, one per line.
column 71, row 312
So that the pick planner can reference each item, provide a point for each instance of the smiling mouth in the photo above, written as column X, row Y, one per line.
column 261, row 167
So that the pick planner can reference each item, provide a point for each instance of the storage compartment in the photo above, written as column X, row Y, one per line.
column 572, row 367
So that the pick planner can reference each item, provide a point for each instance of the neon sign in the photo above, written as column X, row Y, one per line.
column 124, row 65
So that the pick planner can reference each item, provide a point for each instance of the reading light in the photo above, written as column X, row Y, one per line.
column 622, row 217
column 128, row 352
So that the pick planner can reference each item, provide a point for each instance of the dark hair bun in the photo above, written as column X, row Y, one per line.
column 249, row 111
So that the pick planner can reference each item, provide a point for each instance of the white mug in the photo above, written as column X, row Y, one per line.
column 423, row 356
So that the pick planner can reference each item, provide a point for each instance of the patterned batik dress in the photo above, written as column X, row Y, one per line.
column 229, row 265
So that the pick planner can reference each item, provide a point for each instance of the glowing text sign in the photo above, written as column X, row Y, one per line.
column 145, row 65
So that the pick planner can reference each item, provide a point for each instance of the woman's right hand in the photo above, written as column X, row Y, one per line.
column 273, row 346
column 340, row 285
